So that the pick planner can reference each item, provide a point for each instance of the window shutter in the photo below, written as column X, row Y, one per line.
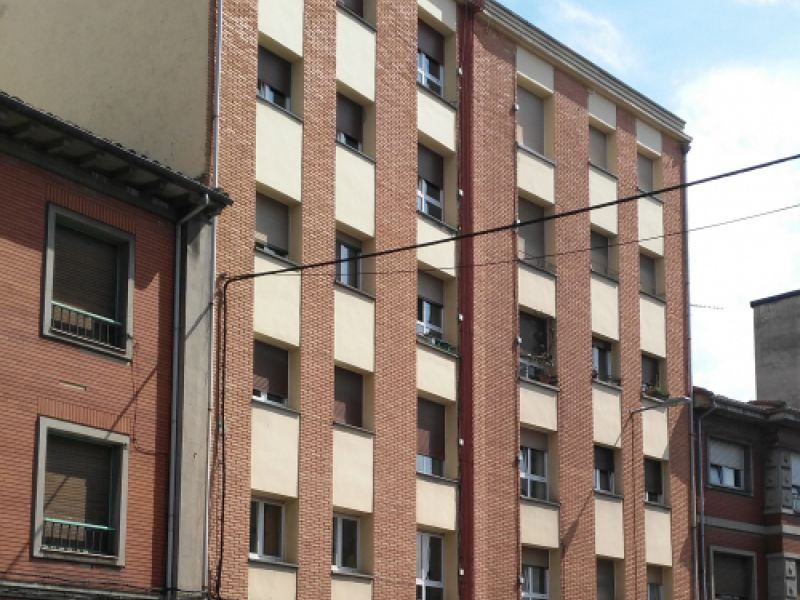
column 272, row 223
column 653, row 480
column 605, row 580
column 531, row 236
column 731, row 575
column 603, row 459
column 85, row 272
column 430, row 166
column 644, row 173
column 430, row 429
column 726, row 455
column 349, row 117
column 276, row 71
column 348, row 397
column 533, row 439
column 598, row 148
column 431, row 42
column 599, row 244
column 272, row 529
column 78, row 481
column 535, row 557
column 430, row 288
column 530, row 120
column 270, row 369
column 647, row 268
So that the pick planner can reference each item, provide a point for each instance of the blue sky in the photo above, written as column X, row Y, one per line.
column 731, row 69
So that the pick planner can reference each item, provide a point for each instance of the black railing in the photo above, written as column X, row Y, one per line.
column 82, row 324
column 72, row 536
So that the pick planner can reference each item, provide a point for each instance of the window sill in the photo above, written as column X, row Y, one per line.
column 538, row 267
column 351, row 573
column 261, row 249
column 280, row 109
column 656, row 399
column 603, row 170
column 354, row 290
column 87, row 344
column 535, row 154
column 424, row 341
column 272, row 562
column 356, row 151
column 541, row 384
column 612, row 277
column 539, row 502
column 657, row 297
column 437, row 478
column 354, row 428
column 658, row 506
column 729, row 490
column 268, row 404
column 437, row 97
column 434, row 221
column 607, row 384
column 94, row 559
column 609, row 495
column 356, row 16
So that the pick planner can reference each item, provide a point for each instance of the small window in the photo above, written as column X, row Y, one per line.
column 89, row 282
column 606, row 586
column 430, row 438
column 651, row 376
column 536, row 359
column 530, row 121
column 533, row 465
column 348, row 250
column 602, row 361
column 655, row 583
column 430, row 306
column 274, row 79
column 348, row 397
column 647, row 272
column 349, row 123
column 645, row 173
column 430, row 183
column 345, row 543
column 430, row 58
column 266, row 530
column 535, row 572
column 598, row 148
column 354, row 6
column 733, row 576
column 532, row 238
column 726, row 464
column 270, row 373
column 272, row 225
column 430, row 567
column 653, row 481
column 604, row 469
column 601, row 256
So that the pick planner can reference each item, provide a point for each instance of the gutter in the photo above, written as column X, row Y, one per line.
column 701, row 542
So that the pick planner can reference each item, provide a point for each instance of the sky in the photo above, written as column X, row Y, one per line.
column 731, row 70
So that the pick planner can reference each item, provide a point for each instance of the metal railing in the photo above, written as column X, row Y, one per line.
column 535, row 368
column 73, row 536
column 605, row 378
column 82, row 324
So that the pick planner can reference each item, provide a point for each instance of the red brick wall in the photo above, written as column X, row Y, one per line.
column 725, row 539
column 41, row 377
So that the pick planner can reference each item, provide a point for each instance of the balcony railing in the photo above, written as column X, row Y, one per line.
column 88, row 326
column 433, row 336
column 654, row 390
column 537, row 368
column 72, row 536
column 605, row 378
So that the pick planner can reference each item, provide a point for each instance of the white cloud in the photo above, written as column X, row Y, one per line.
column 740, row 115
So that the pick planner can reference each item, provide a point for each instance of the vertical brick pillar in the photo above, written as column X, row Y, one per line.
column 395, row 303
column 495, row 422
column 228, row 530
column 316, row 308
column 573, row 329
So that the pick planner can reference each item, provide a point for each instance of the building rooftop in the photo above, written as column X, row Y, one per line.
column 776, row 298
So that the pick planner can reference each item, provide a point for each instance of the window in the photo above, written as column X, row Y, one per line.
column 430, row 183
column 653, row 481
column 796, row 482
column 535, row 567
column 726, row 463
column 348, row 397
column 430, row 58
column 266, row 530
column 430, row 438
column 536, row 360
column 645, row 173
column 601, row 256
column 533, row 465
column 647, row 272
column 272, row 225
column 81, row 493
column 430, row 306
column 733, row 576
column 89, row 282
column 349, row 123
column 270, row 373
column 604, row 469
column 354, row 6
column 430, row 566
column 274, row 79
column 530, row 121
column 651, row 376
column 602, row 361
column 345, row 543
column 348, row 250
column 655, row 583
column 598, row 148
column 532, row 238
column 606, row 587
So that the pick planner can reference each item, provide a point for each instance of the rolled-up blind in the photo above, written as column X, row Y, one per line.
column 653, row 480
column 726, row 454
column 644, row 171
column 530, row 120
column 535, row 557
column 732, row 575
column 533, row 439
column 430, row 166
column 430, row 288
column 603, row 459
column 431, row 42
column 430, row 429
column 276, row 72
column 598, row 148
column 270, row 370
column 272, row 223
column 348, row 397
column 599, row 244
column 531, row 236
column 605, row 579
column 647, row 269
column 349, row 117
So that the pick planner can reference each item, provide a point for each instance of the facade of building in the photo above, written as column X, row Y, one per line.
column 454, row 419
column 776, row 324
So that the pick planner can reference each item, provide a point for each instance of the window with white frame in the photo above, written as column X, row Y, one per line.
column 430, row 183
column 602, row 361
column 533, row 465
column 430, row 58
column 348, row 250
column 535, row 572
column 430, row 306
column 653, row 481
column 726, row 464
column 266, row 529
column 604, row 469
column 274, row 79
column 430, row 566
column 345, row 543
column 430, row 437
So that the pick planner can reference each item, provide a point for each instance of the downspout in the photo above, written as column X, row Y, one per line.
column 700, row 471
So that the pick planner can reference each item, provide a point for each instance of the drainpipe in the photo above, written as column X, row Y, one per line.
column 700, row 471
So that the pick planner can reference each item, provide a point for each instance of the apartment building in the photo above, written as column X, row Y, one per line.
column 457, row 419
column 99, row 444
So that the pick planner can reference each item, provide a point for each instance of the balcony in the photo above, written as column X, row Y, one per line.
column 271, row 581
column 605, row 306
column 655, row 431
column 607, row 416
column 79, row 538
column 441, row 257
column 76, row 323
column 354, row 328
column 538, row 368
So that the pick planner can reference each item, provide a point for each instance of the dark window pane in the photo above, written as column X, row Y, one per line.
column 254, row 527
column 599, row 244
column 434, row 593
column 271, row 372
column 430, row 166
column 644, row 173
column 272, row 530
column 434, row 559
column 530, row 120
column 531, row 237
column 605, row 580
column 348, row 397
column 647, row 270
column 349, row 550
column 598, row 148
column 349, row 121
column 272, row 224
column 533, row 331
column 653, row 480
column 430, row 429
column 650, row 372
column 430, row 42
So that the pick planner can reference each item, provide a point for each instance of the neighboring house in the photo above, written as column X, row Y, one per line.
column 88, row 294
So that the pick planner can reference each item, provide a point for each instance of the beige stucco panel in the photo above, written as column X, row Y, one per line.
column 352, row 470
column 609, row 532
column 536, row 177
column 538, row 406
column 651, row 225
column 282, row 20
column 648, row 136
column 440, row 256
column 355, row 191
column 443, row 11
column 538, row 525
column 657, row 536
column 436, row 373
column 652, row 319
column 355, row 55
column 537, row 290
column 602, row 189
column 354, row 329
column 436, row 504
column 268, row 582
column 279, row 151
column 602, row 109
column 533, row 70
column 606, row 415
column 345, row 588
column 605, row 307
column 275, row 434
column 276, row 302
column 655, row 432
column 437, row 120
column 124, row 70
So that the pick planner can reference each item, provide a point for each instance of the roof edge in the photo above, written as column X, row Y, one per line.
column 776, row 298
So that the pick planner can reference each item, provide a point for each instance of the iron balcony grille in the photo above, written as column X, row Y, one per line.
column 81, row 538
column 87, row 326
